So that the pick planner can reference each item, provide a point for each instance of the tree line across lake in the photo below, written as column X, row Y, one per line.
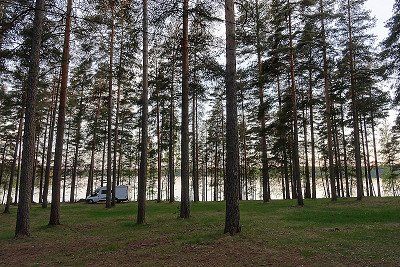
column 137, row 92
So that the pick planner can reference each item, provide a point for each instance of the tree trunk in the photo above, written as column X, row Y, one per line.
column 14, row 162
column 56, row 186
column 346, row 175
column 110, row 108
column 376, row 157
column 232, row 219
column 313, row 166
column 244, row 141
column 354, row 109
column 19, row 171
column 158, row 145
column 285, row 160
column 328, row 106
column 66, row 163
column 34, row 169
column 263, row 140
column 295, row 152
column 43, row 156
column 22, row 228
column 3, row 159
column 171, row 163
column 141, row 216
column 185, row 201
column 76, row 155
column 194, row 150
column 89, row 189
column 371, row 185
column 116, row 129
column 306, row 167
column 50, row 147
column 364, row 158
column 103, row 162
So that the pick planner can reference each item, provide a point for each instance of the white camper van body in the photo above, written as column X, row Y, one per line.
column 122, row 193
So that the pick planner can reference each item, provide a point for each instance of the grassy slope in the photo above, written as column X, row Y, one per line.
column 321, row 233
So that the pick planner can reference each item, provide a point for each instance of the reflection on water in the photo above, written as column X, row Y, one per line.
column 206, row 194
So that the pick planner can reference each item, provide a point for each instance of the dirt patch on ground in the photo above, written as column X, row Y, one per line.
column 44, row 252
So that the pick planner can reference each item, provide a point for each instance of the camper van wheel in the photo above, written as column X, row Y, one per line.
column 118, row 201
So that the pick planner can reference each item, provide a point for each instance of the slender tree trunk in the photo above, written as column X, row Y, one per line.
column 110, row 108
column 244, row 141
column 103, row 162
column 197, row 147
column 306, row 167
column 66, row 163
column 185, row 201
column 313, row 165
column 3, row 161
column 232, row 219
column 354, row 108
column 158, row 146
column 346, row 174
column 116, row 129
column 283, row 136
column 43, row 156
column 371, row 185
column 78, row 138
column 141, row 216
column 89, row 189
column 376, row 157
column 50, row 147
column 296, row 161
column 34, row 169
column 328, row 106
column 22, row 228
column 263, row 140
column 14, row 163
column 56, row 186
column 216, row 164
column 194, row 150
column 19, row 171
column 171, row 156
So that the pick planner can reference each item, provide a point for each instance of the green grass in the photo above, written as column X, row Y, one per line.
column 278, row 233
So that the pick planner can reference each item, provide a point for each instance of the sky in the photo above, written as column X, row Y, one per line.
column 382, row 11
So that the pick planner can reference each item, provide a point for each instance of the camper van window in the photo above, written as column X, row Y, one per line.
column 103, row 192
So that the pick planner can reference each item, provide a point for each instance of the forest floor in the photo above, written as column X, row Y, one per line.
column 322, row 233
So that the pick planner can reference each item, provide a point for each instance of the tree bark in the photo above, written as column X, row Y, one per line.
column 295, row 152
column 50, row 146
column 354, row 108
column 22, row 228
column 116, row 129
column 56, row 185
column 376, row 157
column 89, row 189
column 110, row 108
column 232, row 219
column 371, row 185
column 158, row 144
column 171, row 156
column 346, row 175
column 78, row 138
column 185, row 201
column 3, row 161
column 43, row 157
column 263, row 140
column 141, row 215
column 66, row 163
column 328, row 106
column 14, row 162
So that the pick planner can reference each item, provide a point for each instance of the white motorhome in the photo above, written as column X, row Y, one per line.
column 122, row 193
